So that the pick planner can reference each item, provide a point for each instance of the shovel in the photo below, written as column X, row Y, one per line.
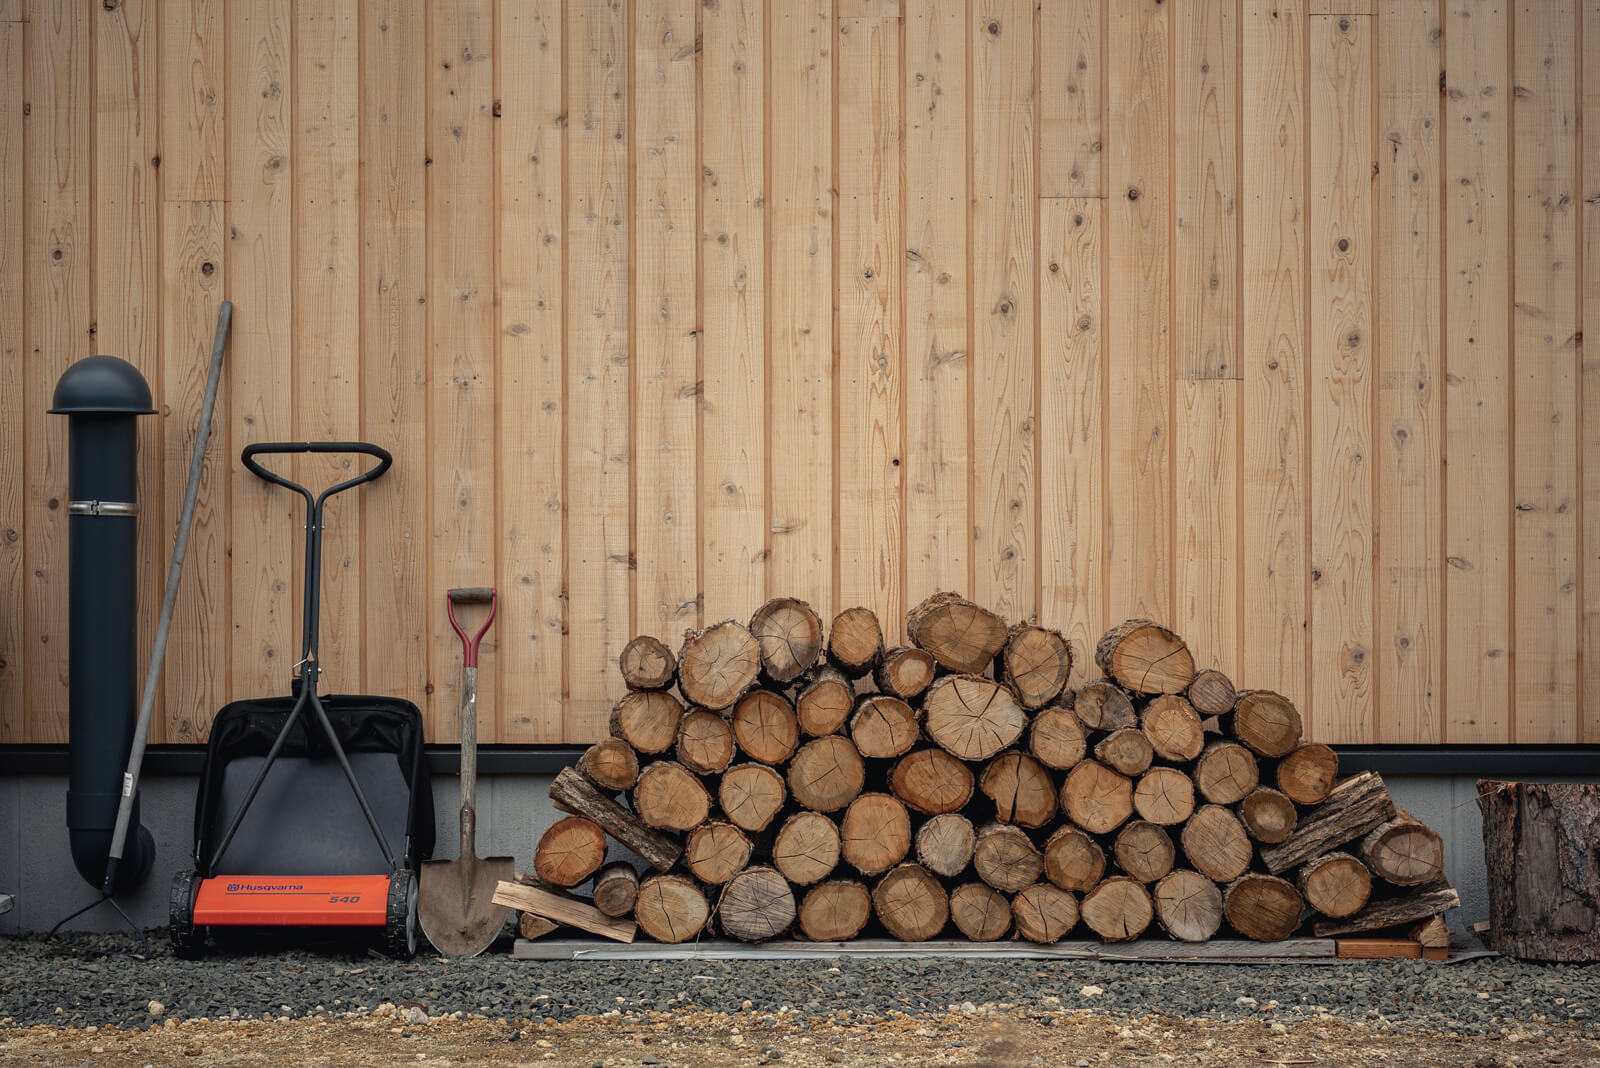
column 455, row 899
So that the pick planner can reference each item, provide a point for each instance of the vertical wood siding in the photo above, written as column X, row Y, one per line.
column 1263, row 317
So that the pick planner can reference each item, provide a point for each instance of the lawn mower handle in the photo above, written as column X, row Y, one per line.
column 247, row 457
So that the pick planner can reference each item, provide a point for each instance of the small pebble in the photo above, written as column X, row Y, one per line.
column 155, row 1008
column 1091, row 992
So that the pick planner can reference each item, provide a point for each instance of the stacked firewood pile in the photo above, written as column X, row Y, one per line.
column 814, row 781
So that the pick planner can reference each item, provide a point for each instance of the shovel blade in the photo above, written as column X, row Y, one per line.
column 455, row 903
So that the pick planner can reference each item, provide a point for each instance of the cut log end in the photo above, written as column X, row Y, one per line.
column 1057, row 739
column 1021, row 789
column 647, row 720
column 1164, row 795
column 1044, row 913
column 1188, row 906
column 717, row 665
column 1266, row 722
column 971, row 717
column 611, row 764
column 716, row 851
column 765, row 727
column 616, row 888
column 1073, row 860
column 1118, row 910
column 1173, row 727
column 789, row 635
column 1264, row 908
column 1270, row 817
column 807, row 848
column 1102, row 705
column 945, row 844
column 1006, row 858
column 932, row 782
column 1097, row 798
column 573, row 793
column 1403, row 851
column 980, row 912
column 835, row 911
column 1212, row 693
column 855, row 641
column 670, row 797
column 1216, row 843
column 906, row 671
column 884, row 727
column 751, row 795
column 1335, row 884
column 1226, row 772
column 1144, row 851
column 962, row 637
column 1126, row 751
column 705, row 742
column 1145, row 658
column 827, row 773
column 647, row 664
column 757, row 905
column 824, row 703
column 1308, row 772
column 569, row 851
column 875, row 833
column 911, row 904
column 671, row 908
column 1036, row 663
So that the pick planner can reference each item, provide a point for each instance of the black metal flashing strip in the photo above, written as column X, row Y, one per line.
column 187, row 760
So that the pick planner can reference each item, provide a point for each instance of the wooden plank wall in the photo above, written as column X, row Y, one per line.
column 1262, row 317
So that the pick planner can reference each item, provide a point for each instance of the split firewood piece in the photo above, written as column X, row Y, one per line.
column 1144, row 851
column 1073, row 860
column 875, row 833
column 756, row 905
column 1188, row 906
column 562, row 908
column 647, row 720
column 616, row 888
column 1044, row 913
column 932, row 781
column 1403, row 851
column 962, row 637
column 835, row 911
column 980, row 912
column 1145, row 658
column 945, row 844
column 1096, row 798
column 611, row 764
column 647, row 664
column 716, row 851
column 855, row 642
column 705, row 742
column 1431, row 933
column 717, row 665
column 531, row 926
column 765, row 727
column 1335, row 884
column 827, row 773
column 573, row 793
column 670, row 797
column 569, row 851
column 1021, row 789
column 1212, row 693
column 1102, row 705
column 972, row 717
column 1164, row 796
column 671, row 908
column 1216, row 843
column 911, row 904
column 1267, row 722
column 1126, row 751
column 1036, row 663
column 789, row 635
column 1057, row 739
column 824, row 702
column 1118, row 910
column 905, row 672
column 883, row 726
column 1308, row 773
column 1354, row 808
column 1006, row 858
column 1263, row 907
column 1430, row 899
column 1226, row 772
column 751, row 795
column 1173, row 727
column 807, row 848
column 1269, row 816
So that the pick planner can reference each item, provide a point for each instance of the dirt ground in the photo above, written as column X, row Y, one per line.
column 713, row 1040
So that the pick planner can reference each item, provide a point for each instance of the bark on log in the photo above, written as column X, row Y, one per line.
column 1073, row 860
column 1145, row 658
column 911, row 904
column 1102, row 705
column 827, row 773
column 671, row 908
column 1057, row 739
column 647, row 664
column 1006, row 858
column 875, row 833
column 945, row 844
column 717, row 665
column 906, row 671
column 807, row 848
column 765, row 728
column 716, row 851
column 1044, row 913
column 573, row 793
column 1308, row 773
column 789, row 634
column 531, row 926
column 1096, row 798
column 1269, row 817
column 1266, row 722
column 1036, row 663
column 932, row 781
column 1144, row 851
column 1335, row 884
column 980, row 912
column 569, row 851
column 616, row 888
column 1212, row 693
column 855, row 642
column 1126, row 751
column 884, row 727
column 750, row 795
column 705, row 742
column 1173, row 727
column 1216, row 844
column 1402, row 851
column 1355, row 807
column 1165, row 796
column 835, row 911
column 670, row 797
column 825, row 702
column 611, row 764
column 962, row 637
column 1118, row 910
column 647, row 720
column 1540, row 845
column 1021, row 789
column 972, row 717
column 1263, row 907
column 1436, row 898
column 1188, row 906
column 756, row 905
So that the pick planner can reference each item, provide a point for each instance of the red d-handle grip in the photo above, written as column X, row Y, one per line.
column 474, row 595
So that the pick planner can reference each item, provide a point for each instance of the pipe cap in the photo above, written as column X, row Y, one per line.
column 102, row 385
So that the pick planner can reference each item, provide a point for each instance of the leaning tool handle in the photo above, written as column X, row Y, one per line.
column 469, row 699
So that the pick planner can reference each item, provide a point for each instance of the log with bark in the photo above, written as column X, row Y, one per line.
column 573, row 793
column 705, row 742
column 671, row 908
column 1145, row 658
column 931, row 781
column 1540, row 846
column 1403, row 851
column 531, row 926
column 1096, row 798
column 788, row 634
column 807, row 848
column 1335, row 884
column 1144, row 851
column 962, row 637
column 1226, row 772
column 1006, row 858
column 1118, row 909
column 647, row 664
column 1044, row 913
column 910, row 903
column 756, row 905
column 1057, row 739
column 569, row 851
column 647, row 720
column 765, row 727
column 835, row 911
column 827, row 773
column 945, row 844
column 1073, row 860
column 1308, row 772
column 1266, row 722
column 1021, row 789
column 980, row 912
column 1036, row 663
column 1126, row 751
column 751, row 795
column 1263, row 907
column 855, row 642
column 875, row 833
column 1102, row 705
column 1434, row 899
column 1188, row 906
column 1355, row 807
column 825, row 701
column 883, row 727
column 616, row 887
column 1269, row 817
column 717, row 665
column 971, row 717
column 905, row 672
column 1212, row 693
column 670, row 797
column 1216, row 843
column 1164, row 795
column 716, row 851
column 1173, row 727
column 611, row 764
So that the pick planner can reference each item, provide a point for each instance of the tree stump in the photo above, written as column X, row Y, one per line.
column 1539, row 841
column 671, row 908
column 1021, row 789
column 945, row 844
column 765, row 727
column 1173, row 727
column 932, row 781
column 1188, row 906
column 1212, row 693
column 884, row 727
column 1126, row 751
column 827, row 773
column 824, row 702
column 855, row 642
column 750, row 795
column 647, row 664
column 1044, row 913
column 835, row 911
column 756, row 905
column 616, row 888
column 716, row 851
column 1165, row 796
column 1036, row 663
column 1102, row 705
column 569, row 851
column 789, row 635
column 1118, row 910
column 1308, row 773
column 647, row 720
column 1096, row 798
column 1263, row 907
column 705, row 742
column 875, row 833
column 971, row 717
column 611, row 764
column 807, row 848
column 911, row 904
column 1073, row 860
column 1145, row 658
column 962, row 637
column 717, row 665
column 1266, row 722
column 1144, row 851
column 1226, row 772
column 1057, row 739
column 670, row 797
column 1006, row 858
column 1270, row 817
column 1335, row 884
column 1403, row 851
column 905, row 672
column 980, row 912
column 1216, row 843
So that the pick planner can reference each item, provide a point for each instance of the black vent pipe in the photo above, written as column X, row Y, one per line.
column 102, row 396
